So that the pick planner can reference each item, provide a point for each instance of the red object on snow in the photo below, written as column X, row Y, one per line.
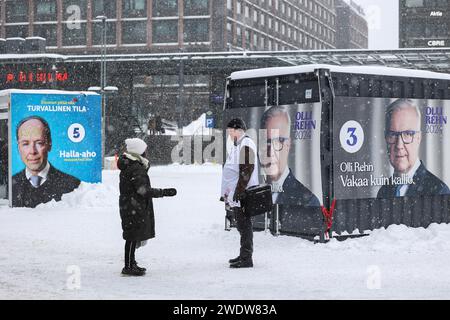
column 328, row 214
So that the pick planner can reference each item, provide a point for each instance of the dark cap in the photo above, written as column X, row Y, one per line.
column 237, row 123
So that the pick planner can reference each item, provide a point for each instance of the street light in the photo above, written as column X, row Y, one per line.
column 103, row 83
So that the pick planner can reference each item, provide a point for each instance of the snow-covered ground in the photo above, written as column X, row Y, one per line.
column 45, row 251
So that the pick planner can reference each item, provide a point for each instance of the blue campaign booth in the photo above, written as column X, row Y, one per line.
column 51, row 141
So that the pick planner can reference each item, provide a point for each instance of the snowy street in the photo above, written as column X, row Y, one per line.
column 42, row 249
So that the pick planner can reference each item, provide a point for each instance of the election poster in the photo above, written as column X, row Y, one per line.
column 288, row 142
column 56, row 144
column 386, row 148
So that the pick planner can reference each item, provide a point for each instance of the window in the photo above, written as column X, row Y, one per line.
column 97, row 33
column 47, row 31
column 255, row 16
column 135, row 8
column 165, row 8
column 262, row 18
column 74, row 10
column 247, row 39
column 17, row 31
column 165, row 31
column 74, row 36
column 414, row 3
column 45, row 10
column 229, row 4
column 239, row 36
column 238, row 8
column 196, row 30
column 247, row 12
column 134, row 32
column 17, row 11
column 104, row 8
column 255, row 40
column 196, row 7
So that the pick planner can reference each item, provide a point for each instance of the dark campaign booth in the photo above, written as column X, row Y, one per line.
column 50, row 143
column 369, row 143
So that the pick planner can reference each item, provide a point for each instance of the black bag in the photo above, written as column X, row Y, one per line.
column 258, row 200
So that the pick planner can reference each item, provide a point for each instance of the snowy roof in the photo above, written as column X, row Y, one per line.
column 372, row 70
column 44, row 91
column 16, row 38
column 33, row 38
column 10, row 56
column 356, row 8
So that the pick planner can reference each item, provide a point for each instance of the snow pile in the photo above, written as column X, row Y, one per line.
column 42, row 249
column 197, row 127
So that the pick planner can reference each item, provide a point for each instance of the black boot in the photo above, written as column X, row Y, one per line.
column 234, row 260
column 134, row 263
column 247, row 263
column 132, row 271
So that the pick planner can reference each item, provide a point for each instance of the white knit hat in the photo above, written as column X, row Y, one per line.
column 136, row 145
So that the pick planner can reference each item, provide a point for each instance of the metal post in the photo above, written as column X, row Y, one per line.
column 180, row 102
column 276, row 219
column 103, row 84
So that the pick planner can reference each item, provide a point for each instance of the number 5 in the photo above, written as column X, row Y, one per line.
column 76, row 133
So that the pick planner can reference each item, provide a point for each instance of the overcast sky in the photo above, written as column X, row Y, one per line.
column 382, row 18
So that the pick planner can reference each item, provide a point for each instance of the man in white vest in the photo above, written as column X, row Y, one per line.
column 240, row 172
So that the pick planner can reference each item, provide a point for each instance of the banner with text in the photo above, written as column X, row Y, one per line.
column 385, row 148
column 56, row 144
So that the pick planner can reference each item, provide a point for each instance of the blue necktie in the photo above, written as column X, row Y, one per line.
column 36, row 181
column 397, row 190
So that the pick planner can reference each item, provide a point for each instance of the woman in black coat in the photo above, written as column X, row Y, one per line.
column 135, row 202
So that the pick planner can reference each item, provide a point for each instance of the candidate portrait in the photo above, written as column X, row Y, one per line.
column 274, row 158
column 403, row 136
column 39, row 182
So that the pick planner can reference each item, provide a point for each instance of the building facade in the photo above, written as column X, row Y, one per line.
column 351, row 25
column 70, row 26
column 424, row 23
column 179, row 94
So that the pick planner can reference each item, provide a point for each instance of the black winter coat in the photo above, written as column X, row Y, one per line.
column 135, row 202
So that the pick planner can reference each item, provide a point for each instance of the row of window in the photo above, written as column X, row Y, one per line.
column 294, row 34
column 258, row 41
column 432, row 4
column 46, row 10
column 133, row 32
column 423, row 30
column 262, row 20
column 287, row 10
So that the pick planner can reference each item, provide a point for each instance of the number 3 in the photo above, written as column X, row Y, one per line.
column 354, row 138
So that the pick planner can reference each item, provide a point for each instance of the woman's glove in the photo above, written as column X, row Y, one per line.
column 169, row 192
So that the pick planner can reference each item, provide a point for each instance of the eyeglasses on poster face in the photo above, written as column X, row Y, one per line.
column 407, row 136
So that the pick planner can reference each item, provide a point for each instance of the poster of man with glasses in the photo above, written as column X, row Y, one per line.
column 288, row 142
column 386, row 148
column 403, row 136
column 286, row 188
